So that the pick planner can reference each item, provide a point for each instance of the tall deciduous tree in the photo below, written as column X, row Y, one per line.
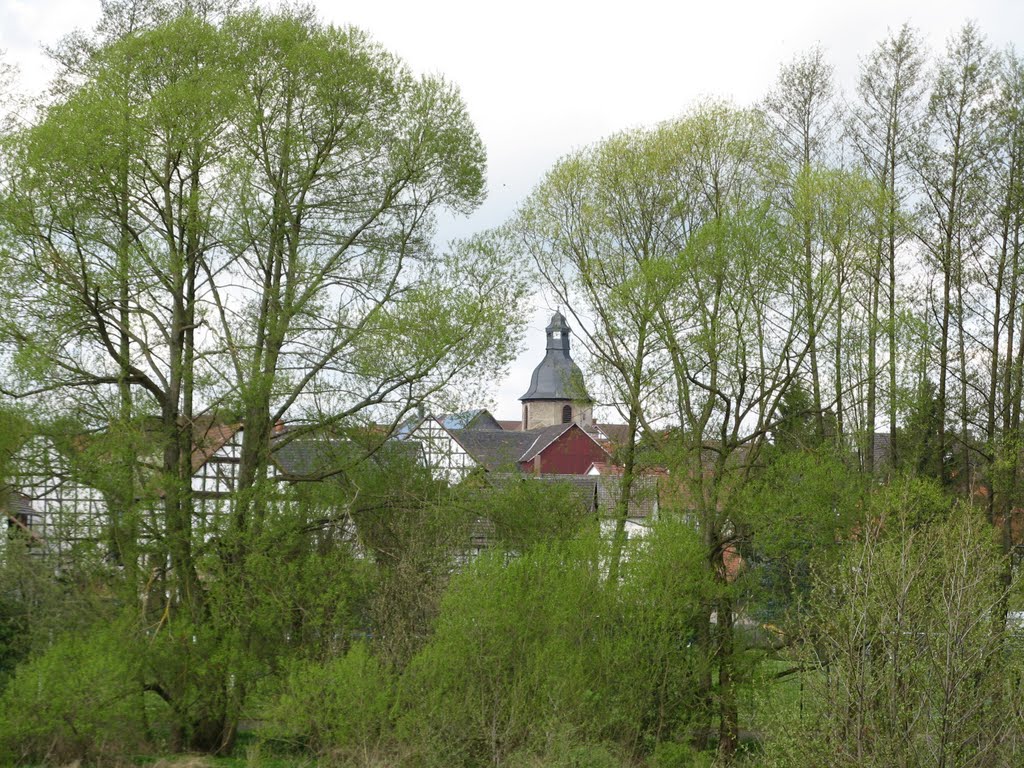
column 669, row 246
column 952, row 167
column 595, row 226
column 890, row 89
column 1002, row 420
column 106, row 225
column 803, row 113
column 733, row 328
column 234, row 213
column 341, row 159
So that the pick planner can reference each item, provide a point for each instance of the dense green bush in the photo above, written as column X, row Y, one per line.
column 340, row 706
column 535, row 651
column 79, row 699
column 906, row 657
column 566, row 751
column 670, row 754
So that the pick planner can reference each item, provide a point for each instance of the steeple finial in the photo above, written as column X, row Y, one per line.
column 558, row 334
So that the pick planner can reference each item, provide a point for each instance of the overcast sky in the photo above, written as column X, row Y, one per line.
column 543, row 78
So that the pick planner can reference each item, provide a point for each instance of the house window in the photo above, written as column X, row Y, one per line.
column 566, row 414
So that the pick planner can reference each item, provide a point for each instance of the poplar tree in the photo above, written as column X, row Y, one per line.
column 952, row 168
column 802, row 111
column 881, row 127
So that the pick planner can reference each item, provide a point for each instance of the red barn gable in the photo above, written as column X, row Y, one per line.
column 569, row 451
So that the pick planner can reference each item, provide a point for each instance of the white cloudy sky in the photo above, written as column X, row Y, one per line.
column 544, row 77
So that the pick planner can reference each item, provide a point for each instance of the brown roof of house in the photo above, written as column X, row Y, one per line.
column 208, row 437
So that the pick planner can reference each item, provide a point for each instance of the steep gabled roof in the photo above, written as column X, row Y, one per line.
column 548, row 435
column 496, row 450
column 208, row 437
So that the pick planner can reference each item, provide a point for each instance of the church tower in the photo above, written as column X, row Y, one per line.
column 557, row 394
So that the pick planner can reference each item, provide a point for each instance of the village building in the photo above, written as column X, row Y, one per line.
column 556, row 441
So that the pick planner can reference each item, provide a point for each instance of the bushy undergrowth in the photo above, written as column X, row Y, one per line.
column 535, row 652
column 340, row 707
column 79, row 699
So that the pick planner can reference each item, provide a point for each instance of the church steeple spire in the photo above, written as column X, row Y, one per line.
column 558, row 334
column 557, row 393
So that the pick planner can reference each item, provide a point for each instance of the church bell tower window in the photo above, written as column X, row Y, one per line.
column 567, row 414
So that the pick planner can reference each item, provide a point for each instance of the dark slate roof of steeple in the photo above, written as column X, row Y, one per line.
column 557, row 377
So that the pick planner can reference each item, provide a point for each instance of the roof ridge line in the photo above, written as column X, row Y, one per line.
column 566, row 428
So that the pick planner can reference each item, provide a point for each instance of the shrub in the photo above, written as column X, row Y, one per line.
column 340, row 706
column 670, row 754
column 80, row 699
column 541, row 650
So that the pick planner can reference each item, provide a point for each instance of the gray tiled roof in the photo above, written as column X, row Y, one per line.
column 497, row 450
column 310, row 457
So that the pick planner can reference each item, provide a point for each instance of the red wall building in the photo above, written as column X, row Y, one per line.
column 570, row 453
